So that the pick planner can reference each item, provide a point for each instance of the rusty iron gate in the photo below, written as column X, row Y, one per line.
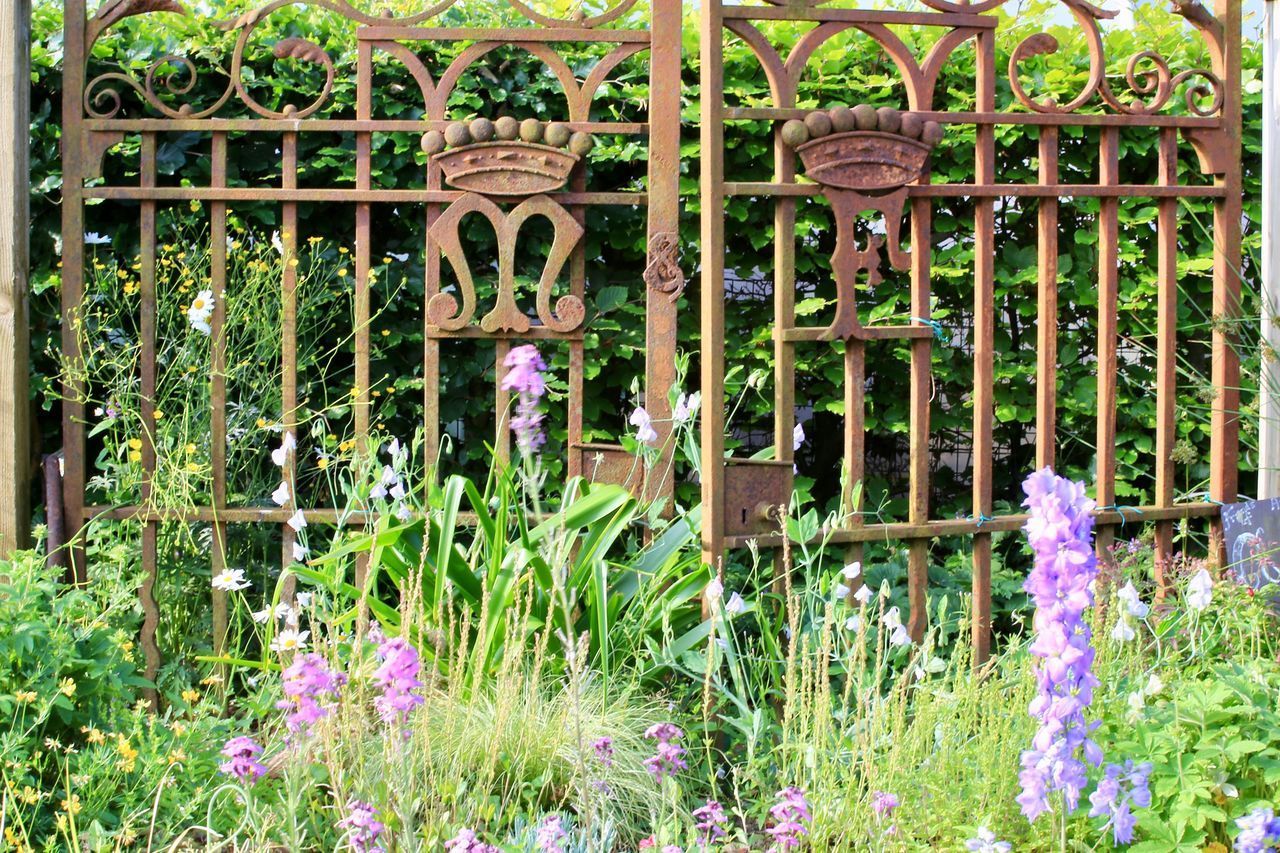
column 869, row 166
column 508, row 172
column 874, row 164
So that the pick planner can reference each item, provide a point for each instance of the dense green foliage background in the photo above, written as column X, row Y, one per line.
column 850, row 69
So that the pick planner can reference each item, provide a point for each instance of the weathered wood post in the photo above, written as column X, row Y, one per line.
column 15, row 423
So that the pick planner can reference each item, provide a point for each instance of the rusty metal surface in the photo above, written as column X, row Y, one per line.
column 505, row 172
column 869, row 166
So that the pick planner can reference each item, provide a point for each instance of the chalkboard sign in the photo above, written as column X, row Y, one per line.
column 1252, row 533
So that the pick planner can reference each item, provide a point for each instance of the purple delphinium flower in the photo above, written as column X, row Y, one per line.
column 467, row 841
column 669, row 757
column 882, row 803
column 673, row 848
column 363, row 827
column 1119, row 790
column 1060, row 532
column 985, row 842
column 524, row 376
column 790, row 816
column 397, row 676
column 604, row 751
column 1259, row 832
column 307, row 682
column 242, row 759
column 551, row 835
column 711, row 821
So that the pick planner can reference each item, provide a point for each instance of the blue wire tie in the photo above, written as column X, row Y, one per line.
column 938, row 331
column 1121, row 509
column 981, row 518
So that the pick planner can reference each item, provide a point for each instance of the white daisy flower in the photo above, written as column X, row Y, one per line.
column 200, row 310
column 290, row 640
column 230, row 580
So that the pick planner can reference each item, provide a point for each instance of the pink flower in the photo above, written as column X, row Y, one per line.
column 242, row 759
column 307, row 682
column 363, row 827
column 398, row 678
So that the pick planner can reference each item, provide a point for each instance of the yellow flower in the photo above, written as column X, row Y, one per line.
column 29, row 796
column 342, row 273
column 313, row 239
column 135, row 444
column 177, row 757
column 135, row 456
column 190, row 696
column 386, row 332
column 94, row 736
column 193, row 467
column 128, row 754
column 211, row 679
column 67, row 687
column 157, row 414
column 191, row 448
column 71, row 805
column 293, row 262
column 262, row 423
column 179, row 729
column 323, row 462
column 25, row 696
column 343, row 250
column 126, row 646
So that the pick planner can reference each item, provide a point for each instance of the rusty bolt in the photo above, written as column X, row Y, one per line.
column 457, row 134
column 912, row 125
column 481, row 129
column 506, row 128
column 864, row 117
column 531, row 130
column 842, row 119
column 818, row 123
column 557, row 134
column 433, row 142
column 888, row 119
column 795, row 133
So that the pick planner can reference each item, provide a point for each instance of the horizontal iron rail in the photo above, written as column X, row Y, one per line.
column 339, row 196
column 762, row 188
column 325, row 125
column 859, row 16
column 506, row 35
column 999, row 118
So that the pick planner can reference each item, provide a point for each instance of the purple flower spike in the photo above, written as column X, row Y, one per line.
column 307, row 683
column 363, row 827
column 669, row 756
column 551, row 836
column 398, row 678
column 242, row 760
column 467, row 841
column 604, row 751
column 711, row 823
column 883, row 803
column 1119, row 790
column 1259, row 832
column 1060, row 532
column 524, row 376
column 790, row 818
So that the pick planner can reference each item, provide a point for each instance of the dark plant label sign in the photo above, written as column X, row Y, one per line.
column 1252, row 533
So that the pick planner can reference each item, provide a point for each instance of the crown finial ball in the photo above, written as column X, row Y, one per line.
column 818, row 124
column 581, row 144
column 482, row 129
column 842, row 119
column 931, row 133
column 911, row 126
column 457, row 134
column 557, row 134
column 506, row 128
column 433, row 142
column 864, row 117
column 795, row 133
column 888, row 119
column 531, row 130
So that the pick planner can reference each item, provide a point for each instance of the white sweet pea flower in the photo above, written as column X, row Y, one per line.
column 853, row 624
column 297, row 521
column 1154, row 685
column 797, row 437
column 303, row 599
column 1133, row 603
column 281, row 453
column 645, row 433
column 1137, row 703
column 714, row 590
column 230, row 580
column 735, row 605
column 281, row 495
column 852, row 571
column 863, row 595
column 401, row 258
column 1123, row 632
column 1200, row 590
column 892, row 620
column 299, row 554
column 840, row 592
column 686, row 407
column 276, row 242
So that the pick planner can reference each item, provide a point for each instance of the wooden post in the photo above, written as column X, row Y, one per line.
column 15, row 423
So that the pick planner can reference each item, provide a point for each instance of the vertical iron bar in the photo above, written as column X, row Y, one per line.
column 711, row 135
column 73, row 385
column 218, row 383
column 1166, row 354
column 1047, row 305
column 289, row 347
column 984, row 249
column 1108, row 318
column 147, row 409
column 1225, row 417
